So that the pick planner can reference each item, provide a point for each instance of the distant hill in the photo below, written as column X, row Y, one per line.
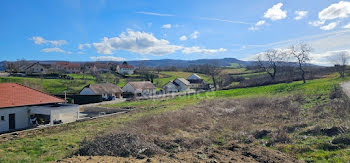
column 226, row 62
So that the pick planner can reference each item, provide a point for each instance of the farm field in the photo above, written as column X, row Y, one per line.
column 65, row 141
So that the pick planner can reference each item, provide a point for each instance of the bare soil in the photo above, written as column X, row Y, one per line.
column 230, row 153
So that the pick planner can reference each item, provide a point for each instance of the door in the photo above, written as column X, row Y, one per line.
column 12, row 121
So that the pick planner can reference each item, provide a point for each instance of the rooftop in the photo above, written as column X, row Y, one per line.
column 15, row 95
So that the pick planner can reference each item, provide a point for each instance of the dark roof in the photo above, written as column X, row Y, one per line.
column 142, row 85
column 15, row 95
column 106, row 88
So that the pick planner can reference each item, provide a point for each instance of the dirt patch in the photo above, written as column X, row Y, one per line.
column 231, row 152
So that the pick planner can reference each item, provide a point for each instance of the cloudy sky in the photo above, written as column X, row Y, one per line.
column 77, row 30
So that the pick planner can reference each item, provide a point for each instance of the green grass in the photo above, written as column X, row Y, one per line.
column 62, row 141
column 52, row 86
column 166, row 76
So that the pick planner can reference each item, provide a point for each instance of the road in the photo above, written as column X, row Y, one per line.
column 346, row 88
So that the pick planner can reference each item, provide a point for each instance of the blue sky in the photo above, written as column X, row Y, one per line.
column 76, row 30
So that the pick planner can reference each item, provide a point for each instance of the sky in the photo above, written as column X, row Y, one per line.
column 115, row 30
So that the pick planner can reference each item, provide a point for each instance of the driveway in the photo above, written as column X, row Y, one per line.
column 346, row 88
column 104, row 103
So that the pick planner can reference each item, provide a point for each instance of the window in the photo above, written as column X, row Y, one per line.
column 2, row 118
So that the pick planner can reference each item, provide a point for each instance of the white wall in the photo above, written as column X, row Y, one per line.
column 65, row 113
column 170, row 87
column 21, row 118
column 126, row 71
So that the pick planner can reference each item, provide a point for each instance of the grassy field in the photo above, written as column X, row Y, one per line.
column 52, row 86
column 166, row 76
column 62, row 141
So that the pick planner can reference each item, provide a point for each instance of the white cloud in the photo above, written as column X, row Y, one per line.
column 166, row 26
column 335, row 11
column 347, row 26
column 317, row 23
column 326, row 58
column 300, row 15
column 183, row 38
column 196, row 49
column 194, row 35
column 153, row 13
column 80, row 52
column 82, row 46
column 137, row 42
column 40, row 40
column 260, row 23
column 330, row 26
column 275, row 12
column 107, row 58
column 51, row 50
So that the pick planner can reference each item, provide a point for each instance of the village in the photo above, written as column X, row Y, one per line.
column 25, row 107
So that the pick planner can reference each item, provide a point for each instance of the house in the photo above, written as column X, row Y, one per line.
column 37, row 68
column 182, row 84
column 141, row 88
column 22, row 107
column 170, row 87
column 100, row 67
column 69, row 68
column 178, row 85
column 125, row 69
column 195, row 79
column 107, row 90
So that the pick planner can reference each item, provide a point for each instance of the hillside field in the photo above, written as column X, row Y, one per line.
column 64, row 141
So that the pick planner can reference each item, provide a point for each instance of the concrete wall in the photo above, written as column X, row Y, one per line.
column 65, row 113
column 21, row 118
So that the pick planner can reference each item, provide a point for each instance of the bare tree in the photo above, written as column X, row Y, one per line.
column 212, row 71
column 340, row 60
column 270, row 61
column 301, row 53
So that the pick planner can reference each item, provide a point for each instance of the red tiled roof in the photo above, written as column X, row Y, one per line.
column 14, row 95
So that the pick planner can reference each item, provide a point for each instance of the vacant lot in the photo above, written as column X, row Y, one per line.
column 305, row 110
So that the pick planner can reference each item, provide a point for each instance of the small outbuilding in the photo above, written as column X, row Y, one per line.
column 178, row 85
column 22, row 107
column 108, row 91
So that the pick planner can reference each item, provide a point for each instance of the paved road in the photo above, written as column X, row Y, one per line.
column 346, row 88
column 103, row 103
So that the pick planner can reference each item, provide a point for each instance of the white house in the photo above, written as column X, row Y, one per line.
column 21, row 107
column 141, row 88
column 125, row 69
column 106, row 90
column 178, row 85
column 182, row 84
column 170, row 87
column 37, row 68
